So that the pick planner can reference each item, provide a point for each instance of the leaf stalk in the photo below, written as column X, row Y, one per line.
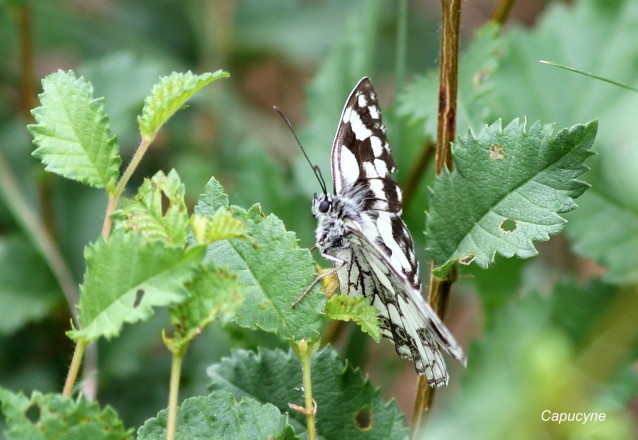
column 305, row 353
column 78, row 354
column 173, row 394
column 439, row 289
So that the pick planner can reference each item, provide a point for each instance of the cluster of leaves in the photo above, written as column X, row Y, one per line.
column 512, row 185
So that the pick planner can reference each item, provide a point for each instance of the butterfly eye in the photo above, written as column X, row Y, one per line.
column 324, row 206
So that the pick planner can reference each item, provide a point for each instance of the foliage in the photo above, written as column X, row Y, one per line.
column 210, row 267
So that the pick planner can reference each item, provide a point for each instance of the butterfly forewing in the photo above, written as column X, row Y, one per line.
column 363, row 229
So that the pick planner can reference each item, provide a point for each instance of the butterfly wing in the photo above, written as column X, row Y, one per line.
column 361, row 170
column 406, row 318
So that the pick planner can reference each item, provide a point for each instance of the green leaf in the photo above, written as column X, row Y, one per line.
column 72, row 132
column 126, row 276
column 212, row 198
column 52, row 416
column 168, row 96
column 273, row 271
column 214, row 293
column 357, row 309
column 220, row 226
column 605, row 228
column 25, row 295
column 157, row 211
column 419, row 101
column 348, row 407
column 219, row 416
column 507, row 190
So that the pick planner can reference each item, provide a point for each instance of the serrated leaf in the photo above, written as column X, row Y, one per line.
column 348, row 407
column 72, row 132
column 126, row 277
column 273, row 271
column 214, row 293
column 418, row 103
column 52, row 416
column 219, row 416
column 168, row 96
column 157, row 211
column 357, row 309
column 220, row 226
column 507, row 190
column 605, row 226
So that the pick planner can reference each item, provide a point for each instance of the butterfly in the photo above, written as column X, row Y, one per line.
column 359, row 229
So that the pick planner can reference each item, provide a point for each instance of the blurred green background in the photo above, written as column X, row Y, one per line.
column 557, row 332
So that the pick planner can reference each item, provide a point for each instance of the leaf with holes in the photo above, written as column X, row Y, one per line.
column 507, row 189
column 168, row 96
column 126, row 277
column 272, row 269
column 357, row 309
column 348, row 407
column 220, row 416
column 72, row 132
column 157, row 211
column 220, row 226
column 52, row 416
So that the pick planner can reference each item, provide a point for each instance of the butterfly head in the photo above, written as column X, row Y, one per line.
column 331, row 229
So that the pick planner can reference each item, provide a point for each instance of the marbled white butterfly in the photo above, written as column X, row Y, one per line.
column 361, row 231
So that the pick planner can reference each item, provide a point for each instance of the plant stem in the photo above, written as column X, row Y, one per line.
column 305, row 353
column 439, row 290
column 78, row 354
column 173, row 395
column 119, row 189
column 501, row 11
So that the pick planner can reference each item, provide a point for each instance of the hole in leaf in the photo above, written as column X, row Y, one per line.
column 497, row 152
column 508, row 225
column 467, row 259
column 33, row 414
column 138, row 297
column 363, row 419
column 165, row 203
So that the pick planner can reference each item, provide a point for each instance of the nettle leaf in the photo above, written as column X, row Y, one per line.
column 348, row 407
column 168, row 96
column 214, row 293
column 507, row 190
column 357, row 309
column 157, row 211
column 272, row 269
column 52, row 416
column 220, row 226
column 126, row 277
column 419, row 101
column 220, row 416
column 72, row 132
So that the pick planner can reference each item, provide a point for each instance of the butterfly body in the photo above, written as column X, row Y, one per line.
column 360, row 229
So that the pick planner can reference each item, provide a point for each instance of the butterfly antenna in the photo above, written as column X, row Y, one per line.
column 315, row 168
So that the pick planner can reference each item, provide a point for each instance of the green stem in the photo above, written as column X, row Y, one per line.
column 501, row 11
column 173, row 395
column 439, row 289
column 119, row 189
column 78, row 354
column 38, row 235
column 305, row 353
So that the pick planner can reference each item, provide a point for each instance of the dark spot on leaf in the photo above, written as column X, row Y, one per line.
column 508, row 226
column 497, row 152
column 138, row 297
column 166, row 202
column 466, row 260
column 363, row 419
column 261, row 306
column 33, row 414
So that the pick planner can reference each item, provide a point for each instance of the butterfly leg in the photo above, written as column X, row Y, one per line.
column 339, row 264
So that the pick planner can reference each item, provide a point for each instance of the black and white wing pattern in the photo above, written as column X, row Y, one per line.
column 361, row 230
